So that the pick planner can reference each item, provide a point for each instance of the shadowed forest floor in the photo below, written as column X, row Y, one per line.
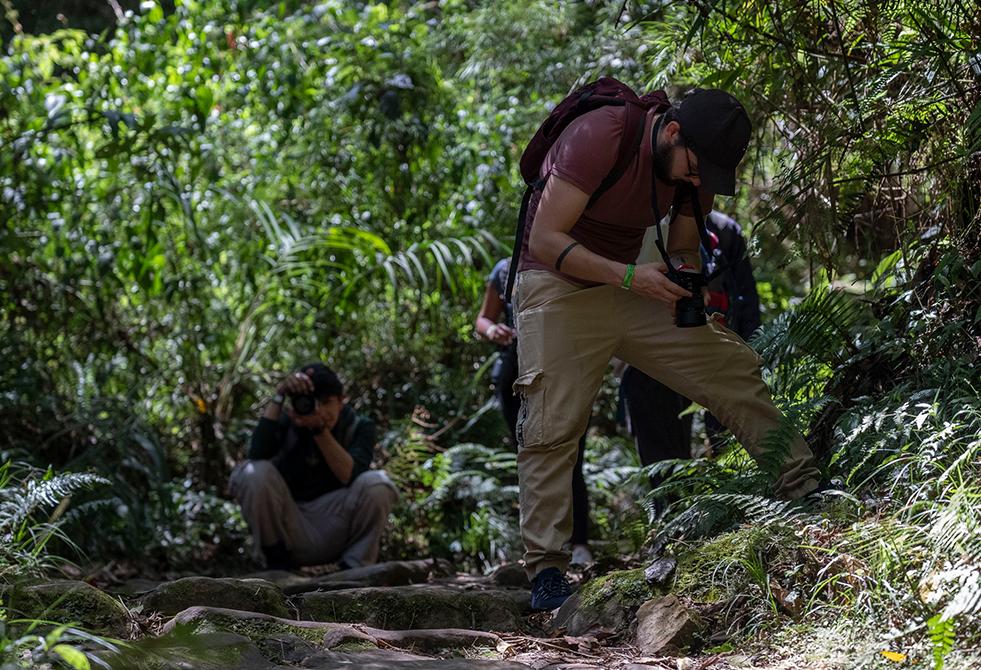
column 422, row 614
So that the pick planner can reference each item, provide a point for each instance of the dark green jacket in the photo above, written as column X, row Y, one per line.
column 298, row 458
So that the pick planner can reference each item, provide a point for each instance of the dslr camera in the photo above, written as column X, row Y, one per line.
column 303, row 403
column 690, row 312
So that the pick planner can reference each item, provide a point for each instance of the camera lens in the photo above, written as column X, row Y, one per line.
column 303, row 404
column 689, row 312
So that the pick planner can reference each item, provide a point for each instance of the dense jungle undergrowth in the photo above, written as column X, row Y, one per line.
column 197, row 196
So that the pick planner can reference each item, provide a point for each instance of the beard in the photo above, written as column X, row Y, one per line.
column 662, row 162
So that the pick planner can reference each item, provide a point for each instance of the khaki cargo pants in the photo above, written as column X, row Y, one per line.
column 566, row 337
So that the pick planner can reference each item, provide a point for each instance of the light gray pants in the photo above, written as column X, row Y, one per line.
column 344, row 524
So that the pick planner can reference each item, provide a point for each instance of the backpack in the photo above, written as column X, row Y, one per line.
column 600, row 93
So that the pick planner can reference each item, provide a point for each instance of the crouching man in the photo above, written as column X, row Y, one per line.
column 307, row 490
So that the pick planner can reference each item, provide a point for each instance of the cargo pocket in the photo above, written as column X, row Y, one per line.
column 530, row 428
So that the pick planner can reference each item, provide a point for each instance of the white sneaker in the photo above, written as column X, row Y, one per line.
column 581, row 555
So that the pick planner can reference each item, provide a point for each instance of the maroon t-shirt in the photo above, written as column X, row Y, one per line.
column 614, row 226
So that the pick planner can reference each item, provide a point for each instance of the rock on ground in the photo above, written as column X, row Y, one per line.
column 511, row 574
column 255, row 595
column 418, row 606
column 664, row 624
column 67, row 601
column 607, row 603
column 660, row 571
column 390, row 573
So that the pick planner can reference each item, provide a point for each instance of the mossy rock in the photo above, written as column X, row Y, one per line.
column 607, row 602
column 697, row 575
column 65, row 601
column 414, row 607
column 253, row 595
column 628, row 587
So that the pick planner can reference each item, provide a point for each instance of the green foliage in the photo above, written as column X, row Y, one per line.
column 180, row 526
column 860, row 114
column 25, row 644
column 865, row 122
column 611, row 470
column 941, row 633
column 199, row 199
column 32, row 513
column 462, row 503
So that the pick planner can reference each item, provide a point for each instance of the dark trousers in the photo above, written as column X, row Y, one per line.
column 504, row 373
column 653, row 410
column 660, row 434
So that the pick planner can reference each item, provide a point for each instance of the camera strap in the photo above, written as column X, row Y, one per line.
column 680, row 192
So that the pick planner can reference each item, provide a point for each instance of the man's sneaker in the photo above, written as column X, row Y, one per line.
column 581, row 555
column 549, row 590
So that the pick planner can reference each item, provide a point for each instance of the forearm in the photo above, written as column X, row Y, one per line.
column 547, row 245
column 684, row 241
column 337, row 458
column 272, row 411
column 483, row 324
column 561, row 206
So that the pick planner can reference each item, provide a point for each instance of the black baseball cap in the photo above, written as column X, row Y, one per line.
column 325, row 381
column 717, row 129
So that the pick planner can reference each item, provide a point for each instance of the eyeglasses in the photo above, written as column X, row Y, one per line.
column 684, row 146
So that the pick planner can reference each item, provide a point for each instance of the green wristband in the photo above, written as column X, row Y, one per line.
column 628, row 277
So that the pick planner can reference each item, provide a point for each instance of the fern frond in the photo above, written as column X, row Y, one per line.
column 711, row 513
column 941, row 633
column 19, row 504
column 820, row 327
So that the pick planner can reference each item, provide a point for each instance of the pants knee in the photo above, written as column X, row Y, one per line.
column 378, row 496
column 375, row 491
column 253, row 476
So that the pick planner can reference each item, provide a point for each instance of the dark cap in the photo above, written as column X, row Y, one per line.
column 717, row 129
column 325, row 381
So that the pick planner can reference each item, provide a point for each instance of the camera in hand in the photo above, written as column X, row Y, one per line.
column 690, row 312
column 303, row 403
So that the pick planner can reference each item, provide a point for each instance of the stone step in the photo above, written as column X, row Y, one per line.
column 255, row 595
column 389, row 573
column 417, row 606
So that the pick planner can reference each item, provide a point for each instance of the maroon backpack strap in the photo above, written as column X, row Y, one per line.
column 632, row 138
column 519, row 237
column 630, row 141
